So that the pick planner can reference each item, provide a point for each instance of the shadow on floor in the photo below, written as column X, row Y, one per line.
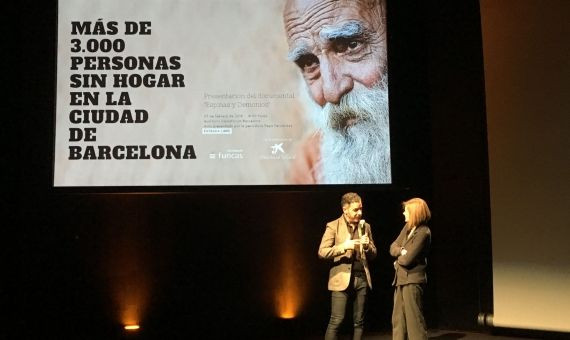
column 448, row 336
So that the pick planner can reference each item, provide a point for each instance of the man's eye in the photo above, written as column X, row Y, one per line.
column 308, row 63
column 344, row 45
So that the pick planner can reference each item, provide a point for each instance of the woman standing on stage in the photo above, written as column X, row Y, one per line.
column 410, row 250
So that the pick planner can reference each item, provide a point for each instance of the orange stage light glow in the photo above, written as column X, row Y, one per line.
column 132, row 327
column 128, row 271
column 288, row 296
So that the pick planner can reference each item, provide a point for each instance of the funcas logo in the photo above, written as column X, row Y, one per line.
column 227, row 154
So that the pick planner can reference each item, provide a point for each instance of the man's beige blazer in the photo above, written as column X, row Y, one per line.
column 336, row 233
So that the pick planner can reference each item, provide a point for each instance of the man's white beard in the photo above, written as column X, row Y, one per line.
column 359, row 153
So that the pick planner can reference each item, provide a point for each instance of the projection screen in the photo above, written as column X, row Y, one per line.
column 194, row 93
column 527, row 80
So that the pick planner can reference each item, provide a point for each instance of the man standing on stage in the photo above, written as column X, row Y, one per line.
column 339, row 47
column 348, row 242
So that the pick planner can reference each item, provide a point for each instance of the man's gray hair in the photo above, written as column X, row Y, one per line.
column 350, row 197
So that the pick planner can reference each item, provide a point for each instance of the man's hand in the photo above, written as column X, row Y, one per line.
column 349, row 244
column 365, row 241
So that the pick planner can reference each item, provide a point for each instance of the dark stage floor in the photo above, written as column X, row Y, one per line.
column 436, row 335
column 303, row 334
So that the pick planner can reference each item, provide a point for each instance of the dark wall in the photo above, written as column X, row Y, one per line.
column 462, row 254
column 212, row 259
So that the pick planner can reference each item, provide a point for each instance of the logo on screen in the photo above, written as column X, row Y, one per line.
column 227, row 154
column 275, row 148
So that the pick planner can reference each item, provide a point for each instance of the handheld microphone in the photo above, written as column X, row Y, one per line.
column 361, row 228
column 361, row 232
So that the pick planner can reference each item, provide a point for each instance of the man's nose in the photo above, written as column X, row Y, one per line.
column 335, row 83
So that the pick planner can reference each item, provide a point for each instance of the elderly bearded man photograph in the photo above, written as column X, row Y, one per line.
column 340, row 48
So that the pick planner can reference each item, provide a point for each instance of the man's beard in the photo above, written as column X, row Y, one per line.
column 357, row 152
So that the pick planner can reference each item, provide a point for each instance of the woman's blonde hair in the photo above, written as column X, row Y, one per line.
column 419, row 212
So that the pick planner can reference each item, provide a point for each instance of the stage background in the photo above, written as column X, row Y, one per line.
column 527, row 75
column 210, row 259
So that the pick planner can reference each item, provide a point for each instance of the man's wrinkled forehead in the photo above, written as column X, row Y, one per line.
column 302, row 6
column 303, row 15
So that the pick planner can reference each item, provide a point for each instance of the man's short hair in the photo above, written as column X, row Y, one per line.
column 348, row 198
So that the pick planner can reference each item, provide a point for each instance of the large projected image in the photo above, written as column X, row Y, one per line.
column 221, row 92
